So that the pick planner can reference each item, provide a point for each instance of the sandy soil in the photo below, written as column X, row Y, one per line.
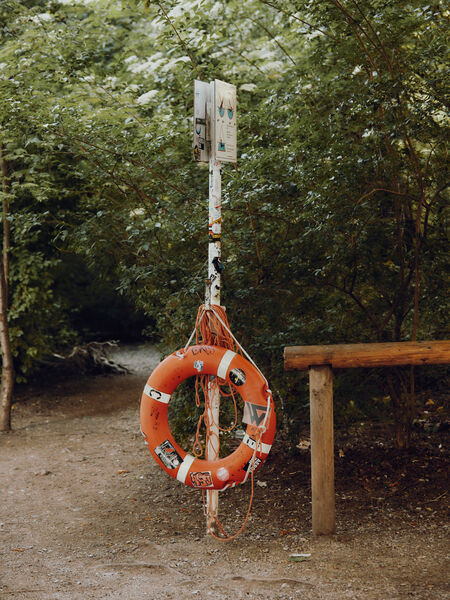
column 86, row 513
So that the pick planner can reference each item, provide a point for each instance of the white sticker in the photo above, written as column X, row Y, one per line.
column 156, row 394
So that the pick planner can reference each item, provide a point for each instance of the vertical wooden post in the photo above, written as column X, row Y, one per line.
column 322, row 450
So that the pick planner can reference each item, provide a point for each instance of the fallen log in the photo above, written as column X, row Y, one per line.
column 91, row 357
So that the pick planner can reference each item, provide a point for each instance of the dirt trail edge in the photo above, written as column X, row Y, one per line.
column 85, row 514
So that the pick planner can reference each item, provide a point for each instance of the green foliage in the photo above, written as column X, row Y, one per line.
column 41, row 60
column 334, row 222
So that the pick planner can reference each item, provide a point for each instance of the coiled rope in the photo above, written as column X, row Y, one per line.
column 212, row 328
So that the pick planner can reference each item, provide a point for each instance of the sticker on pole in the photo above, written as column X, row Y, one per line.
column 224, row 134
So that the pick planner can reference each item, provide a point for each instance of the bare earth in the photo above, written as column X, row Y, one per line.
column 86, row 513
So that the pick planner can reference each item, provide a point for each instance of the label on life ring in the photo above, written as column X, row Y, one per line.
column 252, row 465
column 156, row 394
column 168, row 455
column 202, row 479
column 237, row 376
column 254, row 413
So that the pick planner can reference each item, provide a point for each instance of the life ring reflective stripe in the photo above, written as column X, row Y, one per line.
column 245, row 379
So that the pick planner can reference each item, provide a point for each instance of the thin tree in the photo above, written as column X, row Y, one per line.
column 7, row 382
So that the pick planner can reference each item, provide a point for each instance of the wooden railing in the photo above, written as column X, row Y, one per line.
column 320, row 360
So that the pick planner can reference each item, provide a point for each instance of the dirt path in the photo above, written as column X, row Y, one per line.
column 85, row 514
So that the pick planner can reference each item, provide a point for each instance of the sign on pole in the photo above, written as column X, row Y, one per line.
column 215, row 124
column 202, row 107
column 224, row 139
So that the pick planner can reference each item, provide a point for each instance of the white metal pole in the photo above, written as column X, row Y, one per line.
column 215, row 231
column 213, row 297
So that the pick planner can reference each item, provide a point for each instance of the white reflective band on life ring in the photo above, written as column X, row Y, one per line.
column 156, row 394
column 222, row 369
column 184, row 467
column 261, row 447
column 230, row 485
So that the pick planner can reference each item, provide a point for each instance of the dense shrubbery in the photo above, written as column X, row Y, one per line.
column 333, row 223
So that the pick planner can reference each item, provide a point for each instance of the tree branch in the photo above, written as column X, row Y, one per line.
column 298, row 19
column 270, row 34
column 381, row 46
column 355, row 26
column 6, row 228
column 182, row 42
column 374, row 191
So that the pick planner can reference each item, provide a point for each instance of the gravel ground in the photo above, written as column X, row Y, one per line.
column 87, row 514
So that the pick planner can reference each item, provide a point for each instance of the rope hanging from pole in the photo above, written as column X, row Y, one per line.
column 211, row 331
column 212, row 328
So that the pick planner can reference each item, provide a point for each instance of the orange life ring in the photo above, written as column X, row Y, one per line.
column 259, row 415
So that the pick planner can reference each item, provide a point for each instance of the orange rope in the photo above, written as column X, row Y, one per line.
column 228, row 538
column 211, row 332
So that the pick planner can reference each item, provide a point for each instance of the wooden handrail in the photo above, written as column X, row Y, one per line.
column 320, row 360
column 344, row 356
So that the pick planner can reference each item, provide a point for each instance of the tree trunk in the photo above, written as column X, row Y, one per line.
column 6, row 232
column 7, row 385
column 401, row 404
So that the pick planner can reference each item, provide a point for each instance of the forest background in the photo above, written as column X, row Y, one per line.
column 334, row 219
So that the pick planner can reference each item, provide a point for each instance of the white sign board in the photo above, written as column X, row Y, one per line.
column 202, row 102
column 224, row 126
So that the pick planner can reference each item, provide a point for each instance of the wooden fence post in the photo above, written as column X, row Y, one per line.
column 322, row 449
column 321, row 360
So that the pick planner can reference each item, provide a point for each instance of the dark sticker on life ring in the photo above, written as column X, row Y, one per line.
column 237, row 376
column 253, row 413
column 202, row 479
column 168, row 455
column 252, row 465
